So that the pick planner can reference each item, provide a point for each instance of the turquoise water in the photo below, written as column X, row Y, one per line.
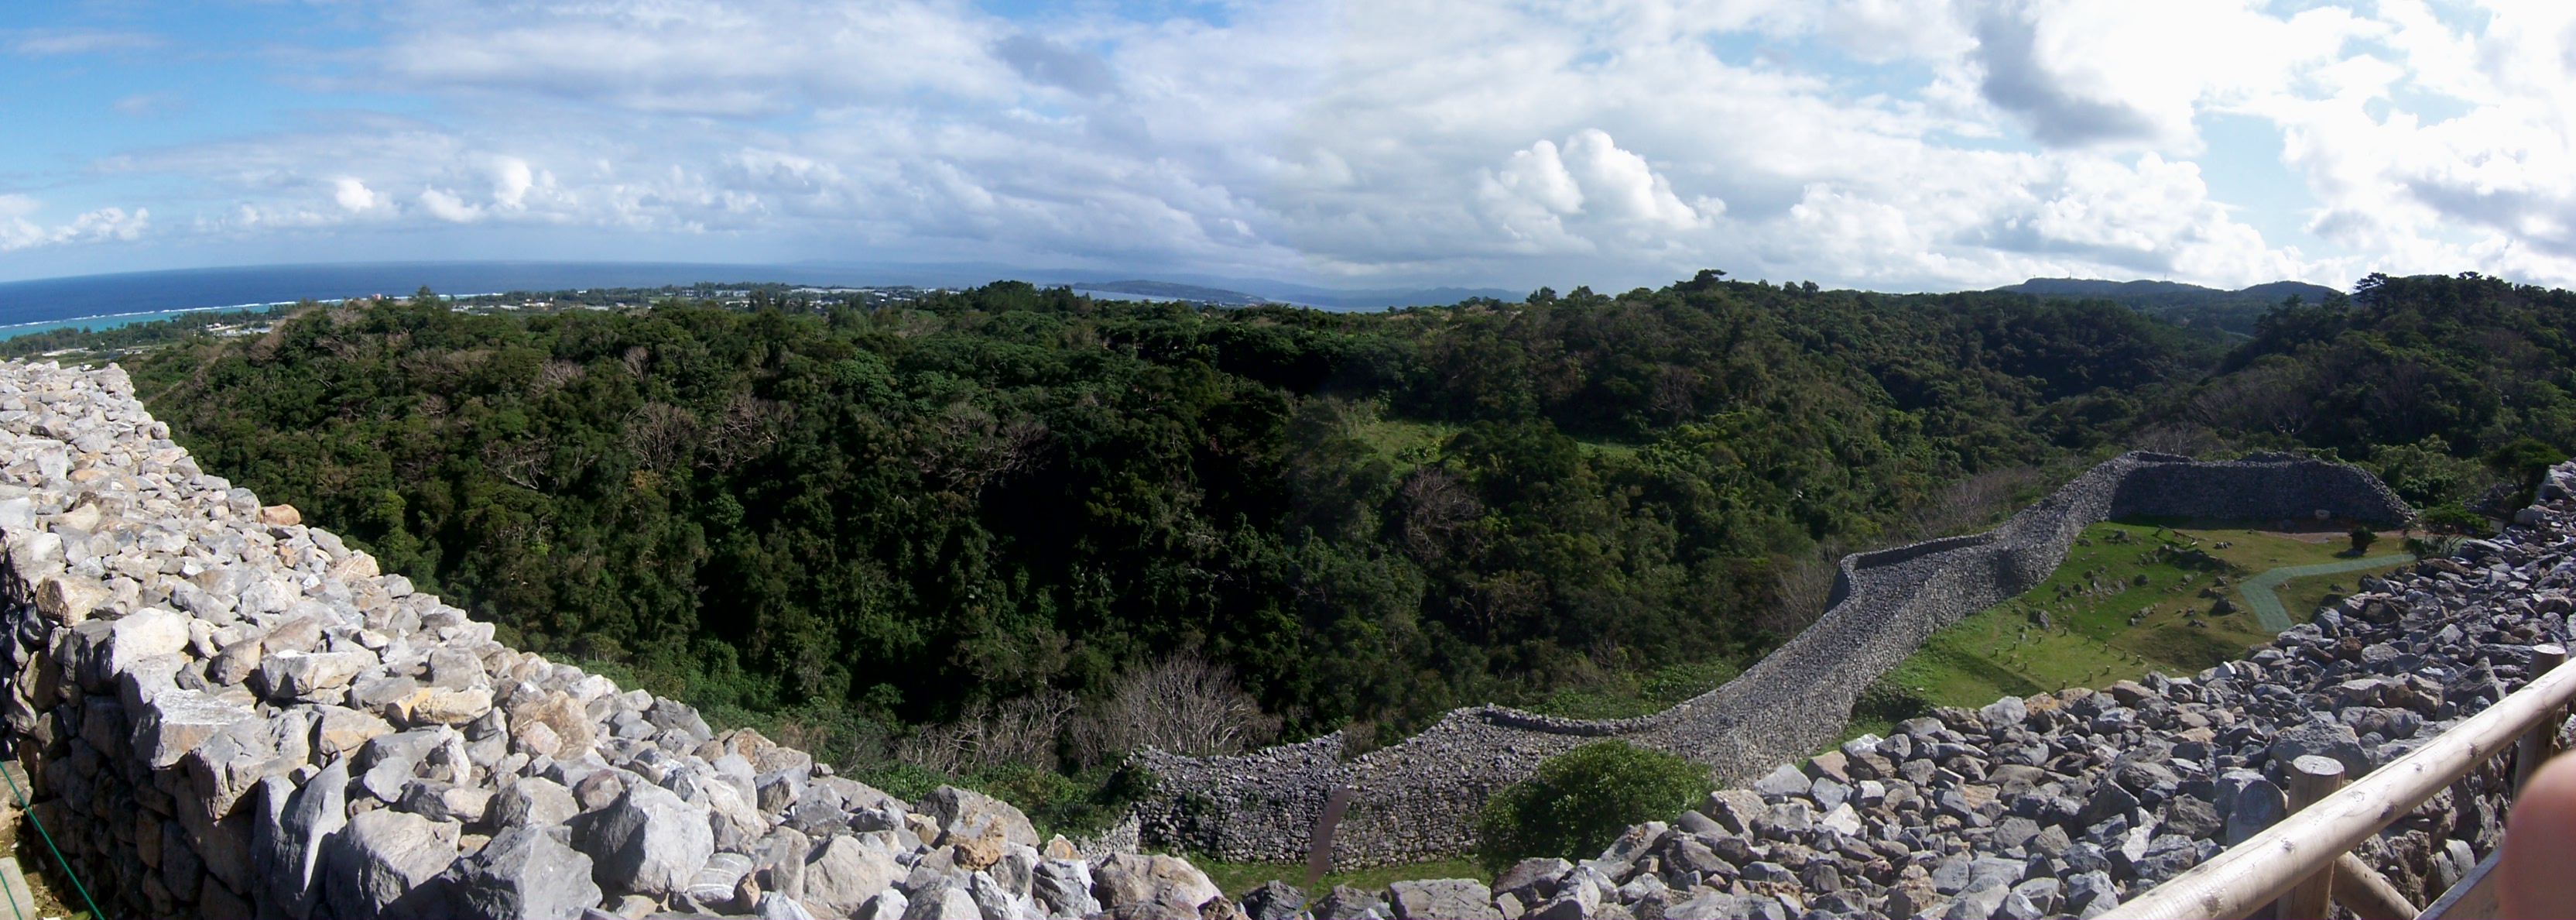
column 95, row 323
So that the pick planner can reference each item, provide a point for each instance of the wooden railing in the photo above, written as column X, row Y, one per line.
column 2301, row 863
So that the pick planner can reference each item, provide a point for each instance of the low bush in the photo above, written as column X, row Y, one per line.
column 1580, row 801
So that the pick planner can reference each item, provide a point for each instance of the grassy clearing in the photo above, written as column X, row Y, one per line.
column 2130, row 598
column 2302, row 596
column 1404, row 441
column 1236, row 878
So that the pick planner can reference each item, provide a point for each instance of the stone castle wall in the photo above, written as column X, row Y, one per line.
column 225, row 713
column 1418, row 799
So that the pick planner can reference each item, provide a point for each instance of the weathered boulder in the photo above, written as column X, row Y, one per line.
column 2323, row 738
column 1135, row 878
column 720, row 880
column 565, row 727
column 302, row 674
column 340, row 730
column 178, row 721
column 535, row 800
column 379, row 863
column 964, row 814
column 442, row 706
column 844, row 872
column 942, row 901
column 524, row 871
column 144, row 634
column 1438, row 898
column 289, row 832
column 649, row 841
column 236, row 757
column 775, row 906
column 1274, row 900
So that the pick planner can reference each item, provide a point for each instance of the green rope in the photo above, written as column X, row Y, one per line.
column 30, row 812
column 13, row 896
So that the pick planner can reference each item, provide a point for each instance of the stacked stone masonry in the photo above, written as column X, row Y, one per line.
column 2065, row 804
column 224, row 713
column 1417, row 799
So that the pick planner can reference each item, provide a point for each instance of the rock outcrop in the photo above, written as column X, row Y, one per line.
column 224, row 712
column 1417, row 799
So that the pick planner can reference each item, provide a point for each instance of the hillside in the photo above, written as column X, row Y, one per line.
column 967, row 531
column 2186, row 304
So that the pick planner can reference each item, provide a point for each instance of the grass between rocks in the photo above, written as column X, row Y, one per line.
column 1236, row 878
column 2131, row 597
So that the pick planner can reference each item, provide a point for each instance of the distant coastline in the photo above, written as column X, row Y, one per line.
column 95, row 298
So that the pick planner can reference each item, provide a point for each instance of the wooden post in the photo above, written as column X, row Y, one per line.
column 2312, row 778
column 2365, row 892
column 2541, row 742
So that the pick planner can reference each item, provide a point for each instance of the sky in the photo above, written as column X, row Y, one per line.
column 1879, row 144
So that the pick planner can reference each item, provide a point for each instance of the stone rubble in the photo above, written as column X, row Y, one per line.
column 225, row 713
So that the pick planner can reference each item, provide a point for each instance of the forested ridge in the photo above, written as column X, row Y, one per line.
column 991, row 524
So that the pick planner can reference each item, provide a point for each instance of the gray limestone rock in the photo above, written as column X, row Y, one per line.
column 1438, row 898
column 715, row 883
column 942, row 901
column 2085, row 892
column 524, row 871
column 843, row 873
column 2325, row 739
column 535, row 800
column 178, row 721
column 379, row 863
column 1063, row 886
column 967, row 814
column 1274, row 900
column 775, row 906
column 890, row 905
column 649, row 841
column 1784, row 781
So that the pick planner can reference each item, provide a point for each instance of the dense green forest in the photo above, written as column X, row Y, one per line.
column 991, row 528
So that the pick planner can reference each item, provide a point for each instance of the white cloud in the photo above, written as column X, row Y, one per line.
column 352, row 195
column 444, row 205
column 1895, row 143
column 45, row 42
column 103, row 224
column 511, row 180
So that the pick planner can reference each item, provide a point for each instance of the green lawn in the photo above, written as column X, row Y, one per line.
column 2170, row 580
column 2304, row 595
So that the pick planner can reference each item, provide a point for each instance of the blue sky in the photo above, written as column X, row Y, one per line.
column 1888, row 144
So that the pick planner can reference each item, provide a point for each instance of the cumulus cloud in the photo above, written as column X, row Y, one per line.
column 1537, row 189
column 352, row 195
column 18, row 232
column 1893, row 143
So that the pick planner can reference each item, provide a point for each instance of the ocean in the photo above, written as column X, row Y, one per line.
column 102, row 301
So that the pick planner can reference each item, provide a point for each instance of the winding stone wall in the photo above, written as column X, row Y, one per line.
column 1418, row 799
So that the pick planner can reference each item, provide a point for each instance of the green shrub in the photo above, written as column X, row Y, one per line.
column 2454, row 518
column 1581, row 800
